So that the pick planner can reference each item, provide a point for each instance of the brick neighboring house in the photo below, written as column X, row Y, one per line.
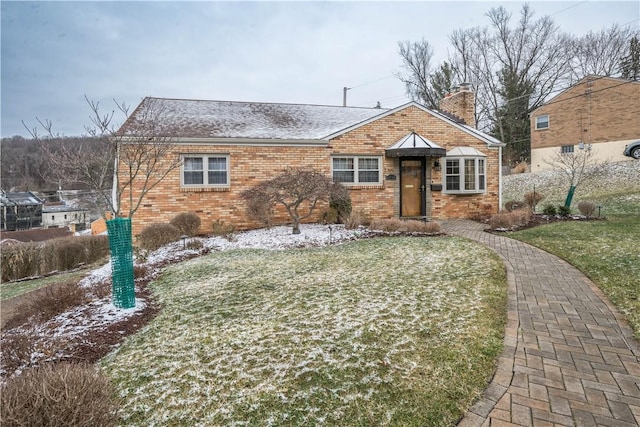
column 601, row 111
column 407, row 162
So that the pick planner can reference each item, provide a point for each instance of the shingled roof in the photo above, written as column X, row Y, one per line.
column 188, row 118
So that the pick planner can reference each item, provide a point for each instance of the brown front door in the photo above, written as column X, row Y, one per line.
column 412, row 187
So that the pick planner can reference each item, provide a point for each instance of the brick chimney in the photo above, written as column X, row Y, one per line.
column 461, row 103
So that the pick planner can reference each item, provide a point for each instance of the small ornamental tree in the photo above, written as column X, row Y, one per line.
column 577, row 167
column 123, row 164
column 298, row 190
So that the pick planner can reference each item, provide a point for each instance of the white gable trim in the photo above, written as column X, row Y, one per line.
column 487, row 139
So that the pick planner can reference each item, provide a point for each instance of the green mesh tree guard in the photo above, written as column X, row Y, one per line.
column 567, row 201
column 123, row 286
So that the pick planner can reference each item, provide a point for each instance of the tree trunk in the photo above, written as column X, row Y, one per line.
column 296, row 227
column 120, row 245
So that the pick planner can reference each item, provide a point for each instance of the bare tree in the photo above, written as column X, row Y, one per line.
column 601, row 52
column 530, row 56
column 115, row 163
column 416, row 61
column 138, row 155
column 577, row 167
column 298, row 190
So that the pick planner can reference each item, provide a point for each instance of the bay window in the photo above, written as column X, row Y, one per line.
column 465, row 175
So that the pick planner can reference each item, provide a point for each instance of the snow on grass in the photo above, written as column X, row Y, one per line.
column 380, row 329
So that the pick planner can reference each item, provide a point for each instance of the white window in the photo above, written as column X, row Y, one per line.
column 356, row 169
column 566, row 149
column 542, row 122
column 465, row 175
column 209, row 170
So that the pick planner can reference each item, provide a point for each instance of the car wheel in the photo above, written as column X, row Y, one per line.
column 635, row 152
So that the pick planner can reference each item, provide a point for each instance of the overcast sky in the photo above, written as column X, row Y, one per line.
column 55, row 53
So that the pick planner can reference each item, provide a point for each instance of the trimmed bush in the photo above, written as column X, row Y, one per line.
column 64, row 394
column 564, row 210
column 330, row 216
column 187, row 222
column 155, row 236
column 35, row 259
column 19, row 261
column 587, row 209
column 549, row 210
column 340, row 200
column 69, row 254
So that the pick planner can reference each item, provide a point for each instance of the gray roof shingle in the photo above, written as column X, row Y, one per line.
column 229, row 119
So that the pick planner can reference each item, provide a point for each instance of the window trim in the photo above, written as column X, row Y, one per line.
column 538, row 127
column 567, row 149
column 356, row 169
column 205, row 172
column 462, row 163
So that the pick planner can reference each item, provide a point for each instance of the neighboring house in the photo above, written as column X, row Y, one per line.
column 20, row 211
column 407, row 162
column 598, row 113
column 75, row 218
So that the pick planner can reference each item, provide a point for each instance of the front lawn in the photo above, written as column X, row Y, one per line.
column 386, row 331
column 606, row 251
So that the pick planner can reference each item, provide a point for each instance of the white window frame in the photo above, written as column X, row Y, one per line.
column 356, row 169
column 205, row 171
column 567, row 149
column 539, row 122
column 467, row 185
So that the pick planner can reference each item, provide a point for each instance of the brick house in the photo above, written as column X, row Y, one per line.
column 601, row 113
column 407, row 162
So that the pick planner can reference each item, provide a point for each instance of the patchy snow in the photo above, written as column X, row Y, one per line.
column 229, row 119
column 100, row 312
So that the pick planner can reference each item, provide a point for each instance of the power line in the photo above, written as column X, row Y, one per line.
column 371, row 82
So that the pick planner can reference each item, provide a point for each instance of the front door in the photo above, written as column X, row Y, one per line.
column 412, row 194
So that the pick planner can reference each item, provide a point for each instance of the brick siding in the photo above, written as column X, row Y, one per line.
column 250, row 165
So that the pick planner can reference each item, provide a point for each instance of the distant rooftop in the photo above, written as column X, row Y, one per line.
column 189, row 118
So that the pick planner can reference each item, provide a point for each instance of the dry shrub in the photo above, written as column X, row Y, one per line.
column 510, row 220
column 587, row 209
column 330, row 216
column 57, row 299
column 187, row 222
column 16, row 351
column 97, row 246
column 64, row 394
column 405, row 226
column 356, row 219
column 19, row 261
column 513, row 205
column 219, row 228
column 69, row 254
column 101, row 290
column 140, row 271
column 194, row 245
column 521, row 167
column 155, row 236
column 35, row 259
column 532, row 199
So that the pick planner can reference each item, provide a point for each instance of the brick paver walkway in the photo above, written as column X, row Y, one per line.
column 569, row 360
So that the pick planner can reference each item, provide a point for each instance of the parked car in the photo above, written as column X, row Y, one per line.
column 633, row 150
